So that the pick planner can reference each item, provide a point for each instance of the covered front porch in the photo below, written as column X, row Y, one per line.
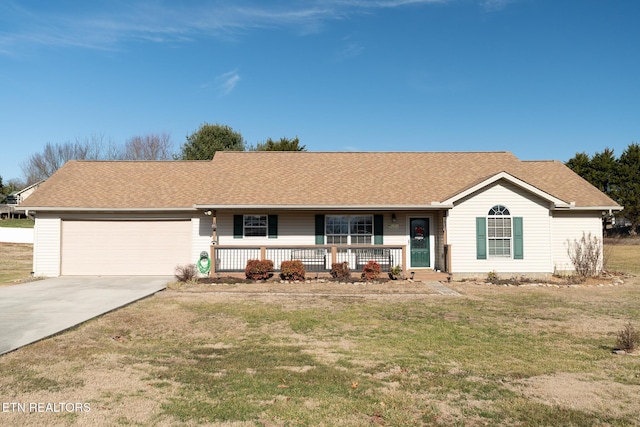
column 413, row 240
column 317, row 258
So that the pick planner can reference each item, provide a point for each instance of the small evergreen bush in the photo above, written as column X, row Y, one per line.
column 492, row 277
column 292, row 270
column 259, row 269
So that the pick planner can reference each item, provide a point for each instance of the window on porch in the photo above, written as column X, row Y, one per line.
column 349, row 229
column 255, row 226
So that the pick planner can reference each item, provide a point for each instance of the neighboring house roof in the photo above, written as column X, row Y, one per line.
column 307, row 179
column 18, row 196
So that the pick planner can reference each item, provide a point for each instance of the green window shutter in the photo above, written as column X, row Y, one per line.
column 319, row 229
column 272, row 221
column 481, row 237
column 518, row 238
column 378, row 229
column 238, row 226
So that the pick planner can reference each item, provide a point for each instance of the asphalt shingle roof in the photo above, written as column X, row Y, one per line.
column 122, row 185
column 300, row 178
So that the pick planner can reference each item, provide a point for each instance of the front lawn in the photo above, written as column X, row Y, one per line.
column 17, row 223
column 16, row 262
column 218, row 355
column 494, row 356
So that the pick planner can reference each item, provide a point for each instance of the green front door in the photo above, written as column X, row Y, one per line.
column 419, row 242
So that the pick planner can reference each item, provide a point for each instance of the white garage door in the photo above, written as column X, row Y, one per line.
column 117, row 248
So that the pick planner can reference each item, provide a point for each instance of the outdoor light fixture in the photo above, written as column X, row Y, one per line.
column 208, row 213
column 393, row 218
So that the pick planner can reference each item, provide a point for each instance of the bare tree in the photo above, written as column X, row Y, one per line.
column 149, row 147
column 42, row 165
column 100, row 148
column 96, row 147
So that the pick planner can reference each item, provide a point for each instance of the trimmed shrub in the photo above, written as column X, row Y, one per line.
column 259, row 269
column 292, row 270
column 340, row 270
column 186, row 273
column 371, row 270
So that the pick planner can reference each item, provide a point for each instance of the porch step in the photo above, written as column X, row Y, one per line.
column 429, row 276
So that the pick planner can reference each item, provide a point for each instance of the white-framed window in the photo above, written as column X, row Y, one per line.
column 499, row 232
column 361, row 228
column 349, row 229
column 337, row 229
column 255, row 225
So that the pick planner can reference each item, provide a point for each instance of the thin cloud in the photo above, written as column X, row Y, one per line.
column 227, row 82
column 385, row 3
column 351, row 50
column 145, row 21
column 495, row 5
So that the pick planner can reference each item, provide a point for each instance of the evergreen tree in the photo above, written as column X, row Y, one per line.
column 203, row 143
column 284, row 144
column 603, row 169
column 581, row 164
column 627, row 185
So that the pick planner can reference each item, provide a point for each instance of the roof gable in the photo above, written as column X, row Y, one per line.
column 513, row 180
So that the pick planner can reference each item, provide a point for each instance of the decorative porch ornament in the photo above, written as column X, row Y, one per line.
column 204, row 263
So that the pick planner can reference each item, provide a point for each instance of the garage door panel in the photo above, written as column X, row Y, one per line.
column 124, row 247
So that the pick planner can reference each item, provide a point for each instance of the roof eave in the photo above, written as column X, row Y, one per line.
column 432, row 206
column 102, row 209
column 572, row 207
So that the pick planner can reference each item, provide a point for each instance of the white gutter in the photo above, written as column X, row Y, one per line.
column 432, row 206
column 75, row 209
column 594, row 208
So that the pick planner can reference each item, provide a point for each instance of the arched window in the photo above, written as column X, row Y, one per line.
column 499, row 231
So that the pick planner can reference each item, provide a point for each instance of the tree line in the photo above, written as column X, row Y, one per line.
column 617, row 177
column 199, row 145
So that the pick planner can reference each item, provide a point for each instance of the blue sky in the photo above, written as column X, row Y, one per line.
column 543, row 79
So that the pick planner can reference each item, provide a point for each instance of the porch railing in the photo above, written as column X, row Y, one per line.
column 315, row 258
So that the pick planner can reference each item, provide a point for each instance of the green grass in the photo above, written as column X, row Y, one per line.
column 401, row 358
column 15, row 261
column 623, row 258
column 17, row 223
column 301, row 361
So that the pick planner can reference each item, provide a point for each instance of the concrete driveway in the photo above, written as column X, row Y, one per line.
column 32, row 311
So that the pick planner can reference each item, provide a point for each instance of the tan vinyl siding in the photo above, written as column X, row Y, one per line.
column 201, row 233
column 537, row 231
column 46, row 246
column 568, row 227
column 294, row 228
